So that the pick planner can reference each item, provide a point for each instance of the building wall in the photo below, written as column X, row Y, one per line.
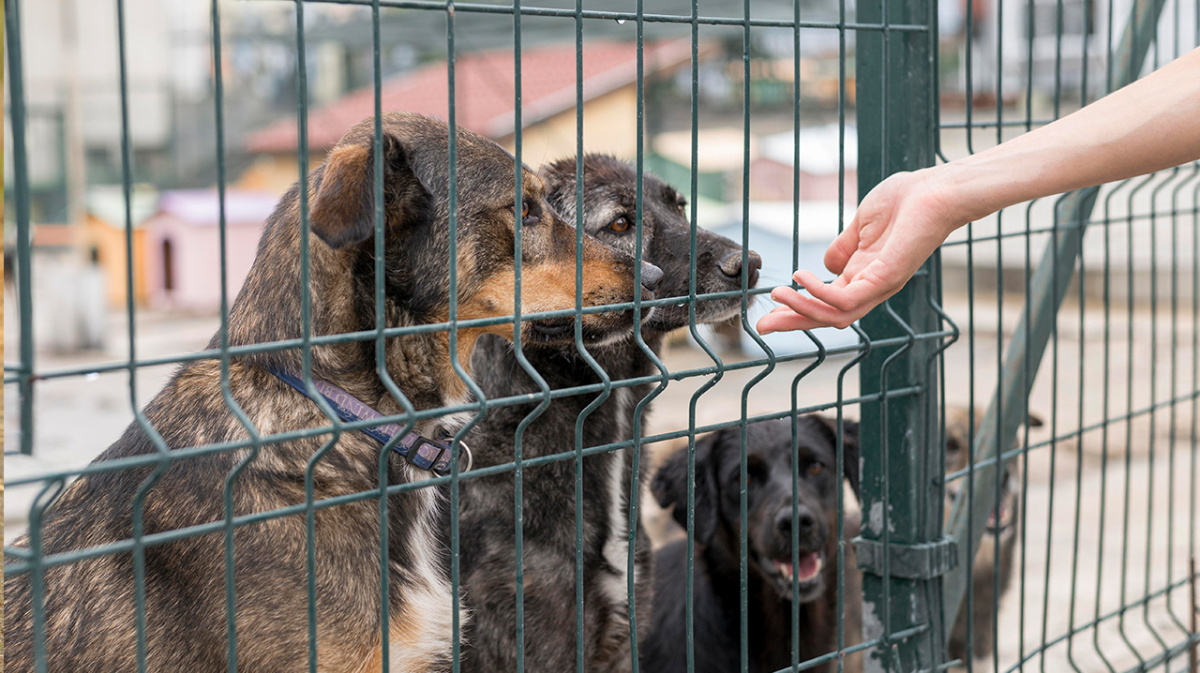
column 109, row 244
column 196, row 262
column 609, row 127
column 773, row 181
column 275, row 173
column 74, row 44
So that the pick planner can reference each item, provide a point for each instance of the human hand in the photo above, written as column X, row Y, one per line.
column 898, row 226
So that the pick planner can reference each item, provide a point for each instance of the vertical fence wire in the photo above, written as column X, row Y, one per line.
column 223, row 342
column 689, row 608
column 24, row 232
column 139, row 499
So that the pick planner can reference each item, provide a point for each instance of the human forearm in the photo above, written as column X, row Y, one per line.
column 1149, row 125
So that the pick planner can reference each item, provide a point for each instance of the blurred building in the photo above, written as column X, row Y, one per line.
column 105, row 241
column 71, row 70
column 827, row 155
column 1041, row 46
column 484, row 103
column 183, row 246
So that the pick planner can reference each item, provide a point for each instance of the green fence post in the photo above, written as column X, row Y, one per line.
column 900, row 550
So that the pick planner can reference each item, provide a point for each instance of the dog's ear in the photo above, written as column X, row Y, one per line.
column 850, row 450
column 850, row 455
column 343, row 207
column 670, row 484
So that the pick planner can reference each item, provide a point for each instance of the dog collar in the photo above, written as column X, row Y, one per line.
column 417, row 450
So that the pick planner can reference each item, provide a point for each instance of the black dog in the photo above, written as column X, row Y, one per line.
column 549, row 526
column 772, row 571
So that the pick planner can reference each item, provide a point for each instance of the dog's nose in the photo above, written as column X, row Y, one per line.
column 651, row 276
column 805, row 520
column 731, row 266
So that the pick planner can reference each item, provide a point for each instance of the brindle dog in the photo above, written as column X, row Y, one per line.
column 549, row 529
column 1001, row 530
column 89, row 605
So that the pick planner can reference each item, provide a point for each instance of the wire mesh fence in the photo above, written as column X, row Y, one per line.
column 1026, row 421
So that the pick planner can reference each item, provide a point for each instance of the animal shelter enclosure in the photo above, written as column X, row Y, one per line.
column 1009, row 444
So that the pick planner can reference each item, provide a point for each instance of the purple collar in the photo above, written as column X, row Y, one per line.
column 417, row 450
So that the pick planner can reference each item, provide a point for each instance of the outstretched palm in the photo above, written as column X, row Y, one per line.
column 897, row 227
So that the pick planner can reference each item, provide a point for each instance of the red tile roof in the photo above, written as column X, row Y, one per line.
column 485, row 86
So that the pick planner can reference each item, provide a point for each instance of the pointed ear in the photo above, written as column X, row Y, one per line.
column 850, row 450
column 343, row 207
column 670, row 485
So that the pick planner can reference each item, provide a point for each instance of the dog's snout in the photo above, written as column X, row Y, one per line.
column 805, row 520
column 731, row 265
column 651, row 276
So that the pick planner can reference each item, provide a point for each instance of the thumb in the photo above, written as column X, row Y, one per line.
column 842, row 248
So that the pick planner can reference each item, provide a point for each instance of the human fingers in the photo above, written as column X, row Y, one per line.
column 821, row 313
column 852, row 296
column 785, row 321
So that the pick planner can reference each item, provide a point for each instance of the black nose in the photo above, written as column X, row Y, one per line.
column 651, row 276
column 731, row 266
column 805, row 520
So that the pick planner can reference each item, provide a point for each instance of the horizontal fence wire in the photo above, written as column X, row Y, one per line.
column 1102, row 497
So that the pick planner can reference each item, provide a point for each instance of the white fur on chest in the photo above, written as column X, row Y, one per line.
column 422, row 635
column 616, row 545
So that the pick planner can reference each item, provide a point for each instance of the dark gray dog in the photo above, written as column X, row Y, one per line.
column 487, row 530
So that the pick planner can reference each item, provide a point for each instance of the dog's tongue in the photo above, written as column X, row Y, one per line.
column 807, row 566
column 996, row 521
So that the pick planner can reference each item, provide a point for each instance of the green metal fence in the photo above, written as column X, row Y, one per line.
column 914, row 356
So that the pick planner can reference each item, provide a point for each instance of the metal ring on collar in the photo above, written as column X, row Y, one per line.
column 470, row 459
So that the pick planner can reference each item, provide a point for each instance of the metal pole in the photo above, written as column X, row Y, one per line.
column 897, row 130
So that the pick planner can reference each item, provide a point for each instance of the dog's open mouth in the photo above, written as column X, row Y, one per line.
column 804, row 569
column 1000, row 519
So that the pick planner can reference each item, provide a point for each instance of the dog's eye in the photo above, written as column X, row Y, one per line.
column 620, row 225
column 815, row 468
column 756, row 469
column 528, row 216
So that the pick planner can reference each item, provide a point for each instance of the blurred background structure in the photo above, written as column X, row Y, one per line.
column 74, row 130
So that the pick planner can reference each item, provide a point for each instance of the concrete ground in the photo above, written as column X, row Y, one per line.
column 1105, row 522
